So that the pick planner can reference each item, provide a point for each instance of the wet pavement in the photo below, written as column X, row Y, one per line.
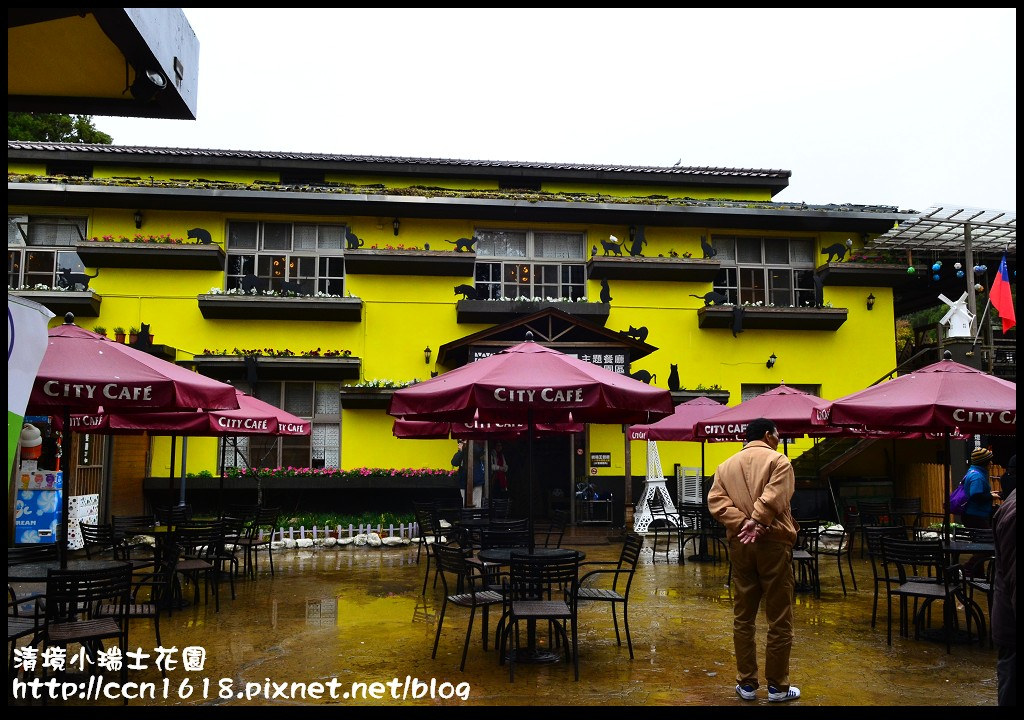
column 357, row 614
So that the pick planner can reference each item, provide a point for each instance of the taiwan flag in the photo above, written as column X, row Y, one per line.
column 1001, row 297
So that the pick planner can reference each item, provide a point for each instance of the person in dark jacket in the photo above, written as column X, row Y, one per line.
column 1004, row 599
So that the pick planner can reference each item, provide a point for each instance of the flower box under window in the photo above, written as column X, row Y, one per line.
column 409, row 262
column 236, row 368
column 498, row 311
column 268, row 307
column 659, row 268
column 772, row 318
column 365, row 398
column 151, row 256
column 853, row 274
column 59, row 302
column 681, row 396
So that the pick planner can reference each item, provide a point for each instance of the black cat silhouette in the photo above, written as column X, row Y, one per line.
column 144, row 339
column 606, row 292
column 639, row 334
column 468, row 292
column 834, row 250
column 251, row 284
column 201, row 235
column 712, row 298
column 352, row 241
column 709, row 252
column 737, row 320
column 434, row 373
column 291, row 286
column 612, row 245
column 819, row 290
column 644, row 376
column 673, row 377
column 636, row 247
column 463, row 244
column 72, row 280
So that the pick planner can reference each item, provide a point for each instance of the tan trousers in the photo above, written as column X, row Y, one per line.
column 762, row 570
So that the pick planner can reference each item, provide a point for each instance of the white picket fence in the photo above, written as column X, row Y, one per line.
column 314, row 533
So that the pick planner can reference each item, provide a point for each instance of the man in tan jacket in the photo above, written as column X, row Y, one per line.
column 751, row 497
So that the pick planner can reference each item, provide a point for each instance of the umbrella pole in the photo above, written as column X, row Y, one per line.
column 170, row 473
column 529, row 477
column 184, row 455
column 949, row 485
column 65, row 500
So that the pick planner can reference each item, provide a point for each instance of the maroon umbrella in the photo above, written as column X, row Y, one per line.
column 529, row 383
column 790, row 409
column 945, row 397
column 432, row 430
column 82, row 371
column 253, row 417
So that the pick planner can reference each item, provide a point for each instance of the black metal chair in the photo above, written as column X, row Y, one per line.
column 873, row 535
column 835, row 541
column 72, row 599
column 903, row 561
column 555, row 530
column 132, row 534
column 872, row 513
column 260, row 537
column 805, row 556
column 541, row 589
column 468, row 590
column 907, row 511
column 98, row 540
column 664, row 522
column 429, row 535
column 24, row 620
column 621, row 576
column 200, row 544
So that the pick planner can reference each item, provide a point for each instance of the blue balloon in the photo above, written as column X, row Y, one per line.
column 937, row 266
column 959, row 273
column 935, row 277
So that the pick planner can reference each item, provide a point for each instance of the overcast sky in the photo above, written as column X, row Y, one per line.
column 910, row 108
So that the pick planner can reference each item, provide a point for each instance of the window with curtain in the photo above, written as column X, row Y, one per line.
column 41, row 250
column 318, row 402
column 303, row 258
column 532, row 264
column 769, row 271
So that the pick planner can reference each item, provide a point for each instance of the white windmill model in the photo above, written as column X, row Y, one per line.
column 958, row 317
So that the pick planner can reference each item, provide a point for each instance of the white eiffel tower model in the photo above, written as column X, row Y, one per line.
column 654, row 485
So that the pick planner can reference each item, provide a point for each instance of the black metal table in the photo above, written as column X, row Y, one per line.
column 503, row 556
column 37, row 571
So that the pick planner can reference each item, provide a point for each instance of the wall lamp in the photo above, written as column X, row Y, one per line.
column 138, row 219
column 395, row 224
column 771, row 361
column 426, row 353
column 871, row 302
column 147, row 84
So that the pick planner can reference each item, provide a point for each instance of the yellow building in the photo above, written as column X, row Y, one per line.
column 321, row 282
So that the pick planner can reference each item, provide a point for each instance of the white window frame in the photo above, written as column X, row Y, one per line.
column 758, row 279
column 528, row 274
column 305, row 255
column 40, row 247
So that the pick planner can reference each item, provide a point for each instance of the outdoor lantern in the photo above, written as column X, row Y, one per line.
column 147, row 84
column 138, row 219
column 771, row 361
column 426, row 350
column 394, row 224
column 871, row 301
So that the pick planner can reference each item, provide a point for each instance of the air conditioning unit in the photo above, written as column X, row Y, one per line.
column 688, row 486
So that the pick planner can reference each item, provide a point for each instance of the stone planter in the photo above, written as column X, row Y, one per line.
column 498, row 311
column 644, row 268
column 772, row 318
column 81, row 304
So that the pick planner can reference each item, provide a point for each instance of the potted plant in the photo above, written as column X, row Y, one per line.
column 100, row 330
column 119, row 334
column 133, row 335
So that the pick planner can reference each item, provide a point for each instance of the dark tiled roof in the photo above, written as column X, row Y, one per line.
column 392, row 160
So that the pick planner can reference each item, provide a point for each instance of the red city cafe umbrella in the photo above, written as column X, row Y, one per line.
column 945, row 397
column 529, row 383
column 790, row 409
column 431, row 430
column 253, row 417
column 679, row 425
column 82, row 371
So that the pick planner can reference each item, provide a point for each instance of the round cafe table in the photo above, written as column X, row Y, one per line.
column 502, row 556
column 37, row 571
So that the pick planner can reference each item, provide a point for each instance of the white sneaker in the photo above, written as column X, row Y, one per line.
column 775, row 695
column 747, row 692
